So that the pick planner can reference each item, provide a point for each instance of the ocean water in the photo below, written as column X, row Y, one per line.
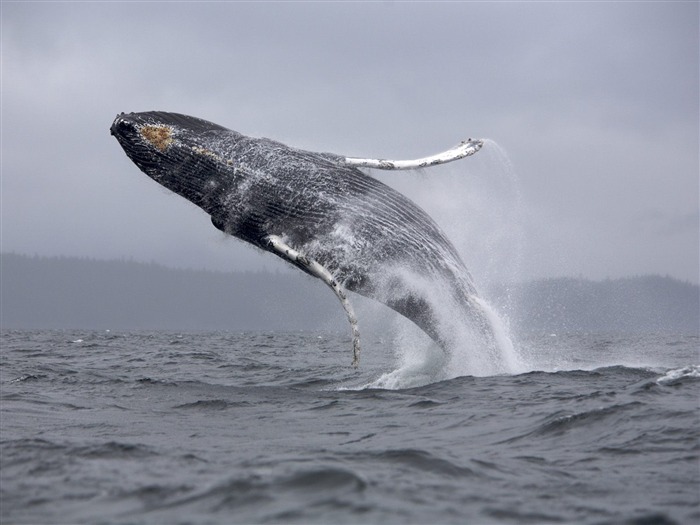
column 155, row 427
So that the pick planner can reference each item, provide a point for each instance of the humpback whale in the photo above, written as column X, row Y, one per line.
column 318, row 211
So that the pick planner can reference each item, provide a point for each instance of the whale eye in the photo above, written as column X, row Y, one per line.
column 159, row 136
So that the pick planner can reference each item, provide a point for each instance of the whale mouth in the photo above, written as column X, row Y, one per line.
column 125, row 129
column 121, row 124
column 145, row 141
column 128, row 128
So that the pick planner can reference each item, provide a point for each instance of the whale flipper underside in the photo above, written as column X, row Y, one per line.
column 466, row 148
column 314, row 268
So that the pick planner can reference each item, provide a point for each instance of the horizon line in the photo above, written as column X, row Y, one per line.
column 290, row 271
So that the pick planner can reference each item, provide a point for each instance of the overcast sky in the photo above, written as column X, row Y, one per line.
column 593, row 105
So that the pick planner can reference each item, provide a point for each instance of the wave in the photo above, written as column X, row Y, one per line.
column 60, row 455
column 563, row 423
column 679, row 375
column 416, row 460
column 259, row 497
column 423, row 375
column 212, row 404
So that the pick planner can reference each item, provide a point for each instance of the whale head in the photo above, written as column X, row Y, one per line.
column 177, row 151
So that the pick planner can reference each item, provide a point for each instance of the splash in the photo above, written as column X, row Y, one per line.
column 508, row 360
column 481, row 212
column 421, row 361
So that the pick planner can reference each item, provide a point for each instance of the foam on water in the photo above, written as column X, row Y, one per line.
column 420, row 361
column 673, row 376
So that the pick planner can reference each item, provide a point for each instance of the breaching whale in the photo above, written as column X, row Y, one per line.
column 317, row 211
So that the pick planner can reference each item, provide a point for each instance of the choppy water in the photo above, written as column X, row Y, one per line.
column 102, row 427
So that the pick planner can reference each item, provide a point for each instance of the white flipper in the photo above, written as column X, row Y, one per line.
column 315, row 269
column 464, row 149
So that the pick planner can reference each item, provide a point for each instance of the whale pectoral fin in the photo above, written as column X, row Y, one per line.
column 464, row 149
column 317, row 270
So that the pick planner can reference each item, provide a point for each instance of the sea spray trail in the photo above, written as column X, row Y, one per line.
column 481, row 208
column 500, row 217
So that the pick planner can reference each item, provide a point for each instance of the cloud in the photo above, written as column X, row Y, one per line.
column 595, row 103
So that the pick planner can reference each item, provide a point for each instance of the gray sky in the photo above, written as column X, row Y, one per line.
column 595, row 104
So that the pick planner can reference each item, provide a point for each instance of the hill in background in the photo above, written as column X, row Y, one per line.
column 61, row 292
column 645, row 304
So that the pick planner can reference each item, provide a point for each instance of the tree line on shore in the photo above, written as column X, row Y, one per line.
column 66, row 292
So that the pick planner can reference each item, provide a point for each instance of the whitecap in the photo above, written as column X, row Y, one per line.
column 674, row 375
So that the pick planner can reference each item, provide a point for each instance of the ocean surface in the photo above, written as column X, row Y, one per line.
column 108, row 427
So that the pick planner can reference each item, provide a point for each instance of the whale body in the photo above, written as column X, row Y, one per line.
column 318, row 211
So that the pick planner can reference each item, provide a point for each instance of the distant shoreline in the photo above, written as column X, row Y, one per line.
column 288, row 270
column 71, row 292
